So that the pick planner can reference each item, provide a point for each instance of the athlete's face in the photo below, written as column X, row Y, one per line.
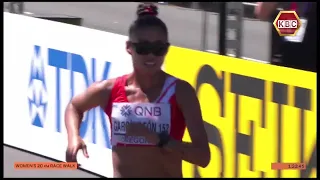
column 148, row 50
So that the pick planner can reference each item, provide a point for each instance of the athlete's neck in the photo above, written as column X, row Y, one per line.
column 146, row 82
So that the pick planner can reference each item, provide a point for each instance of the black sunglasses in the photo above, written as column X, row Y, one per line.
column 156, row 48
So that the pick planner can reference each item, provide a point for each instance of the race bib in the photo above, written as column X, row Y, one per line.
column 156, row 117
column 300, row 34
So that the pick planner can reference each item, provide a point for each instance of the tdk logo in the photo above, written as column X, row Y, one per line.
column 55, row 77
column 37, row 85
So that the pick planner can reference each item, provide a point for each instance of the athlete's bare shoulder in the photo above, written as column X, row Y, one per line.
column 184, row 91
column 105, row 85
column 184, row 87
column 180, row 82
column 97, row 94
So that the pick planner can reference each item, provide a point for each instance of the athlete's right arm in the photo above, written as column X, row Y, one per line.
column 96, row 95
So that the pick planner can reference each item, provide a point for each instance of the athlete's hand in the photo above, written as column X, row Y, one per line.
column 74, row 145
column 138, row 129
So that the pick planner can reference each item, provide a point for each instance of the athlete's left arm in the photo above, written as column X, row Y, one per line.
column 196, row 152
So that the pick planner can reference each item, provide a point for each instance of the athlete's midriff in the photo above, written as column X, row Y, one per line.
column 137, row 160
column 146, row 162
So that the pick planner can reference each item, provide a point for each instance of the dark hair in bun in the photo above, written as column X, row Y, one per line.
column 147, row 17
column 147, row 10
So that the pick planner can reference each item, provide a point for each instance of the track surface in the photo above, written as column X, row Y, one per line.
column 185, row 29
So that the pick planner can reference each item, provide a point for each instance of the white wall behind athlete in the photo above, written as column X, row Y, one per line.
column 34, row 49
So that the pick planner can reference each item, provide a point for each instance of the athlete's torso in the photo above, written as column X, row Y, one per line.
column 134, row 156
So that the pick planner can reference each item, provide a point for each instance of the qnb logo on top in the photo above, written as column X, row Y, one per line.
column 126, row 111
column 37, row 95
column 140, row 111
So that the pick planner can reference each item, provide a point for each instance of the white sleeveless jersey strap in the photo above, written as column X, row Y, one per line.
column 168, row 90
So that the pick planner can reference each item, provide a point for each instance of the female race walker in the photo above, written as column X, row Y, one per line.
column 148, row 110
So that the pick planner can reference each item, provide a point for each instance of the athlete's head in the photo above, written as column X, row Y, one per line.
column 148, row 40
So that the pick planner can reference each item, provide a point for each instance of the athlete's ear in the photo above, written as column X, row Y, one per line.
column 128, row 47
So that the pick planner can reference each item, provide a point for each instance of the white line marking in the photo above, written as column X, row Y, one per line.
column 249, row 4
column 246, row 58
column 255, row 4
column 27, row 13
